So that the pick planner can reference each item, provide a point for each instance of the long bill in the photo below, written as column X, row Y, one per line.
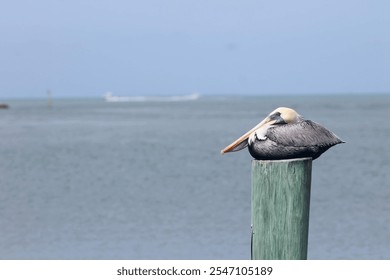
column 232, row 146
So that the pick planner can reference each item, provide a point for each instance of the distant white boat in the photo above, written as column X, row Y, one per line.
column 109, row 97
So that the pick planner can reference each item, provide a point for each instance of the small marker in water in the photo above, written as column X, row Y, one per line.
column 49, row 102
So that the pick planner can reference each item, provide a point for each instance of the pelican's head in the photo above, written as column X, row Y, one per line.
column 280, row 116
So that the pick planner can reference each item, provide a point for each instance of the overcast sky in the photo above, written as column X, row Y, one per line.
column 151, row 47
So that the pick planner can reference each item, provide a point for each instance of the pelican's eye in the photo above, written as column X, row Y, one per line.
column 276, row 118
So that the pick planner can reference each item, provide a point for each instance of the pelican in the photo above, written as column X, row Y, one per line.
column 284, row 134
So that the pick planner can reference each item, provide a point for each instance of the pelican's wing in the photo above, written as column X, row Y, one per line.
column 302, row 134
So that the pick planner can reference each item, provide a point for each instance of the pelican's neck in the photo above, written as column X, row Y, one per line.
column 259, row 134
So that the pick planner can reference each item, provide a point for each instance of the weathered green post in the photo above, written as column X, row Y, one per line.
column 280, row 209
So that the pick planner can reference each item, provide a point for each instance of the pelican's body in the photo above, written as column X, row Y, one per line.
column 284, row 134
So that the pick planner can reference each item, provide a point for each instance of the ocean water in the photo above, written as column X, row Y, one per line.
column 88, row 179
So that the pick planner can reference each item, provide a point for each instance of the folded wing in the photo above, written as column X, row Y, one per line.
column 302, row 134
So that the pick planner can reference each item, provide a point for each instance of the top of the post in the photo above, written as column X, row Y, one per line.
column 283, row 160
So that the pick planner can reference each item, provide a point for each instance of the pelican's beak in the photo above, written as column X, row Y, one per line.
column 241, row 142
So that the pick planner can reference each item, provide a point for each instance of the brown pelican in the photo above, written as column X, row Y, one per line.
column 284, row 134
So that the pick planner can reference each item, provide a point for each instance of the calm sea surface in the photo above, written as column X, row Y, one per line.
column 93, row 180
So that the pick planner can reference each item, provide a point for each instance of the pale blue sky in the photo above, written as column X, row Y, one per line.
column 150, row 47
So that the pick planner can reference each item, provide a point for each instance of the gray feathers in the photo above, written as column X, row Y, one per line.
column 295, row 140
column 302, row 134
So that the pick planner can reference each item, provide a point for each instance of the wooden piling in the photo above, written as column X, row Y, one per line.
column 280, row 209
